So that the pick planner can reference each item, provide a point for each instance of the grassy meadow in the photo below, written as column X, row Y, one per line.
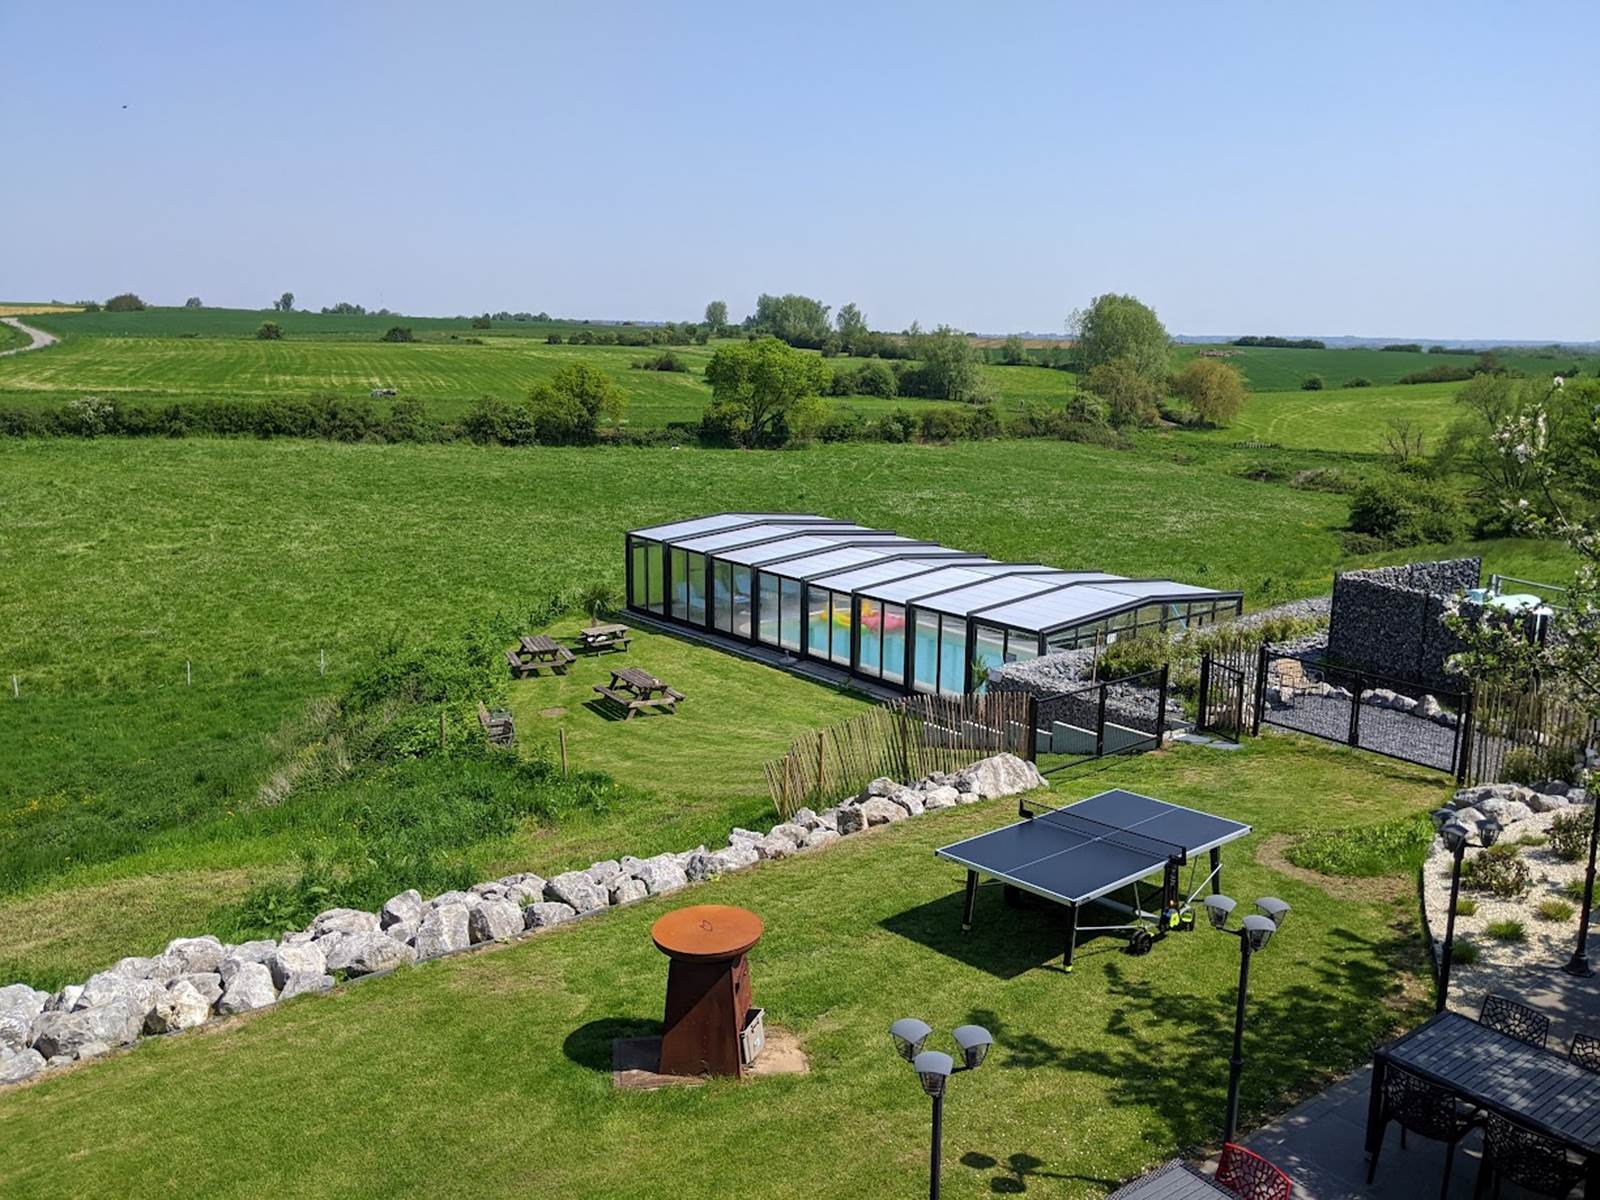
column 1277, row 369
column 1094, row 1077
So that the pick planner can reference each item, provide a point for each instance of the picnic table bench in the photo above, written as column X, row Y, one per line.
column 637, row 690
column 498, row 725
column 597, row 639
column 537, row 652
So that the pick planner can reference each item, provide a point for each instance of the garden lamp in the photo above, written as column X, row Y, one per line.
column 934, row 1068
column 1457, row 837
column 1254, row 932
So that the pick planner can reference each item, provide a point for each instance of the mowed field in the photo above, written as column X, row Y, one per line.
column 1349, row 420
column 1275, row 369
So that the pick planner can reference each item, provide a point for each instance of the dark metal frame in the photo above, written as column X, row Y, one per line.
column 1233, row 677
column 1149, row 742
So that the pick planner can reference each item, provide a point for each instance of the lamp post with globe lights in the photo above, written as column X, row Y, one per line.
column 934, row 1069
column 1254, row 932
column 1456, row 837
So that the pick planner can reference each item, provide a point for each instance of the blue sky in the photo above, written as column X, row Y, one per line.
column 1421, row 170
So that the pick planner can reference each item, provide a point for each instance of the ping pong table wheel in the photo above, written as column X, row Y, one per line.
column 1140, row 942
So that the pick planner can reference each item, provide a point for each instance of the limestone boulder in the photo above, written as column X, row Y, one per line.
column 820, row 836
column 881, row 786
column 577, row 890
column 700, row 868
column 306, row 958
column 1545, row 802
column 305, row 983
column 494, row 921
column 547, row 913
column 115, row 1023
column 736, row 858
column 443, row 930
column 624, row 889
column 20, row 1066
column 806, row 819
column 195, row 954
column 368, row 953
column 404, row 931
column 457, row 897
column 909, row 799
column 407, row 906
column 257, row 951
column 603, row 873
column 778, row 844
column 345, row 920
column 999, row 775
column 207, row 983
column 108, row 986
column 851, row 819
column 249, row 988
column 879, row 811
column 943, row 796
column 661, row 874
column 182, row 1007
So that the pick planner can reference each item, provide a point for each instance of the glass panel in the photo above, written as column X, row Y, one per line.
column 789, row 630
column 680, row 585
column 817, row 622
column 1021, row 647
column 653, row 558
column 953, row 656
column 722, row 595
column 697, row 588
column 636, row 597
column 894, row 642
column 925, row 650
column 989, row 651
column 769, row 608
column 741, row 601
column 841, row 628
column 870, row 635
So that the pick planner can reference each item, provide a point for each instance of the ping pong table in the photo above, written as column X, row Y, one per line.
column 1081, row 854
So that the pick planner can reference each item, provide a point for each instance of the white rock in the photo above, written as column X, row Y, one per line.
column 661, row 874
column 407, row 906
column 257, row 951
column 307, row 958
column 699, row 869
column 576, row 890
column 943, row 796
column 879, row 811
column 195, row 954
column 736, row 858
column 117, row 1023
column 806, row 819
column 603, row 872
column 540, row 916
column 19, row 1005
column 828, row 818
column 183, row 1007
column 207, row 983
column 494, row 921
column 443, row 930
column 93, row 1050
column 368, row 953
column 625, row 889
column 1430, row 708
column 305, row 983
column 820, row 836
column 775, row 845
column 20, row 1067
column 881, row 786
column 404, row 931
column 909, row 799
column 345, row 920
column 66, row 999
column 999, row 775
column 249, row 989
column 444, row 898
column 108, row 986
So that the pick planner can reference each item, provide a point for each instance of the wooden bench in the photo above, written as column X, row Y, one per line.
column 519, row 669
column 633, row 703
column 498, row 725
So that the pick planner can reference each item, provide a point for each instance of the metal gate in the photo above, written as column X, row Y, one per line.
column 1221, row 703
column 1100, row 719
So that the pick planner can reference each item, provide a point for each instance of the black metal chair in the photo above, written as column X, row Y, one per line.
column 1514, row 1020
column 1585, row 1051
column 1427, row 1110
column 1528, row 1159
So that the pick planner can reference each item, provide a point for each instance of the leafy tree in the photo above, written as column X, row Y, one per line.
column 1400, row 510
column 1312, row 383
column 483, row 322
column 875, row 379
column 798, row 320
column 1013, row 353
column 852, row 327
column 763, row 393
column 1215, row 390
column 125, row 302
column 569, row 407
column 1116, row 326
column 1130, row 395
column 399, row 333
column 717, row 316
column 193, row 302
column 284, row 303
column 950, row 366
column 346, row 309
column 270, row 331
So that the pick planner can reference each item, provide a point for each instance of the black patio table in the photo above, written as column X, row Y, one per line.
column 1535, row 1087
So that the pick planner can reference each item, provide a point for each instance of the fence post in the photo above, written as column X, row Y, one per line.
column 188, row 674
column 1205, row 693
column 822, row 749
column 1161, row 705
column 1100, row 725
column 1030, row 720
column 562, row 731
column 1261, row 691
column 1354, row 739
column 1463, row 747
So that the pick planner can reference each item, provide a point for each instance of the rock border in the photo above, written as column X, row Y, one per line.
column 196, row 981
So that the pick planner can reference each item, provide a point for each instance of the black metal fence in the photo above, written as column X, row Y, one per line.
column 1220, row 700
column 1385, row 714
column 1096, row 720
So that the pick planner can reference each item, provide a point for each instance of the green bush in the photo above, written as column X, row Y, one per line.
column 1312, row 383
column 1401, row 510
column 1535, row 764
column 1555, row 910
column 269, row 331
column 398, row 333
column 1466, row 907
column 125, row 302
column 1506, row 931
column 1464, row 952
column 1499, row 870
column 1569, row 833
column 1573, row 890
column 1358, row 381
column 1388, row 848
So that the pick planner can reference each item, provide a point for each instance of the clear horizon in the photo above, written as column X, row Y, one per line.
column 1242, row 170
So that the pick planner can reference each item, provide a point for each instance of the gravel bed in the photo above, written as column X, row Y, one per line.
column 1385, row 730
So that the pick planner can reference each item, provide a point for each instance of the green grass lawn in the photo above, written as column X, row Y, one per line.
column 739, row 713
column 1349, row 420
column 1275, row 369
column 488, row 1074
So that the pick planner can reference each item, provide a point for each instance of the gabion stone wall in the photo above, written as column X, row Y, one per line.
column 1047, row 676
column 1387, row 619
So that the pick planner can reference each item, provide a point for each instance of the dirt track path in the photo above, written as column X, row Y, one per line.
column 41, row 339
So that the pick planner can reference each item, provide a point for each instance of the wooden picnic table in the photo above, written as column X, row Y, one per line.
column 537, row 652
column 599, row 638
column 636, row 689
column 1530, row 1085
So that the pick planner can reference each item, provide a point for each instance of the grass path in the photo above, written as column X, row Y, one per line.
column 488, row 1074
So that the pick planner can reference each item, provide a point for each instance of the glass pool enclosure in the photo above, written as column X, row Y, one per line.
column 913, row 615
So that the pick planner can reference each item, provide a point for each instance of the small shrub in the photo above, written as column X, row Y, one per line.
column 1312, row 383
column 665, row 361
column 1555, row 910
column 398, row 333
column 1400, row 510
column 269, row 331
column 553, row 339
column 1572, row 890
column 1535, row 764
column 1569, row 834
column 1466, row 907
column 125, row 302
column 1358, row 381
column 1463, row 952
column 1506, row 931
column 1499, row 870
column 1263, row 471
column 1531, row 840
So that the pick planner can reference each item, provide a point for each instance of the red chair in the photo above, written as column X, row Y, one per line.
column 1249, row 1176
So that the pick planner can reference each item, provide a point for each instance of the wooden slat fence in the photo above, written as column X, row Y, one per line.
column 907, row 740
column 1532, row 732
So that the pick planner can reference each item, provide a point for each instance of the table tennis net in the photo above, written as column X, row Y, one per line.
column 1116, row 835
